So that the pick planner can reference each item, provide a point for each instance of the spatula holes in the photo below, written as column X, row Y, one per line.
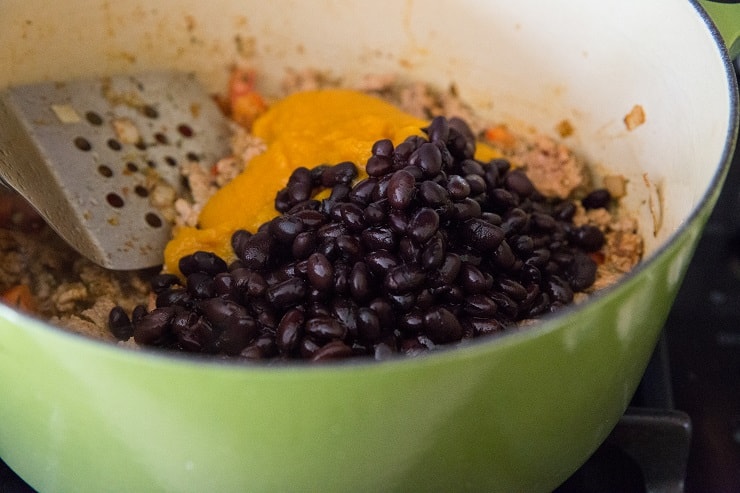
column 114, row 200
column 192, row 157
column 82, row 144
column 114, row 145
column 131, row 167
column 93, row 118
column 161, row 138
column 141, row 145
column 153, row 220
column 105, row 171
column 141, row 191
column 152, row 164
column 185, row 130
column 170, row 161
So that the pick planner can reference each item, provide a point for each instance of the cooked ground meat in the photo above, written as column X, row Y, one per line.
column 77, row 295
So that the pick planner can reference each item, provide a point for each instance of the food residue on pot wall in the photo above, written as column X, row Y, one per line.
column 635, row 117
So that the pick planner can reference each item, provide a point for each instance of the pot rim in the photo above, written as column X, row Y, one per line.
column 544, row 324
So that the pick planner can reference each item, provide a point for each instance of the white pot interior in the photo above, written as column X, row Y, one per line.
column 523, row 62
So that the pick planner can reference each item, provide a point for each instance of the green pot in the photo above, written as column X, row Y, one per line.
column 519, row 412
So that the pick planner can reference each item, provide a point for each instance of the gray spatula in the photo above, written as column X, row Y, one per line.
column 85, row 154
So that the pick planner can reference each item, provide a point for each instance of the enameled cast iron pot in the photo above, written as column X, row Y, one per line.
column 519, row 412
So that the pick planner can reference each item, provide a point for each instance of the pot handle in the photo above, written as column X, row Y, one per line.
column 726, row 17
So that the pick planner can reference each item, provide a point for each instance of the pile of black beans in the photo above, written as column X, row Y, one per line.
column 432, row 248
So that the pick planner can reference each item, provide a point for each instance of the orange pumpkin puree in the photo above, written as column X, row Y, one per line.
column 307, row 129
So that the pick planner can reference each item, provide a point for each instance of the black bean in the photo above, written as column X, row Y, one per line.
column 482, row 235
column 515, row 221
column 285, row 228
column 423, row 225
column 504, row 257
column 287, row 293
column 256, row 251
column 237, row 335
column 352, row 216
column 414, row 171
column 450, row 293
column 342, row 173
column 152, row 328
column 411, row 323
column 290, row 331
column 138, row 312
column 160, row 282
column 173, row 297
column 224, row 284
column 581, row 273
column 200, row 285
column 368, row 324
column 466, row 209
column 450, row 268
column 193, row 333
column 320, row 272
column 484, row 326
column 472, row 279
column 433, row 194
column 374, row 213
column 458, row 187
column 308, row 347
column 330, row 351
column 383, row 147
column 442, row 326
column 380, row 261
column 201, row 261
column 349, row 247
column 310, row 205
column 507, row 307
column 378, row 238
column 438, row 130
column 379, row 165
column 120, row 324
column 461, row 140
column 502, row 198
column 330, row 230
column 408, row 251
column 480, row 305
column 476, row 184
column 398, row 221
column 325, row 328
column 433, row 253
column 220, row 313
column 543, row 222
column 519, row 183
column 511, row 288
column 403, row 279
column 362, row 193
column 597, row 199
column 341, row 278
column 401, row 189
column 311, row 219
column 304, row 244
column 564, row 211
column 558, row 289
column 283, row 201
column 428, row 158
column 360, row 282
column 588, row 237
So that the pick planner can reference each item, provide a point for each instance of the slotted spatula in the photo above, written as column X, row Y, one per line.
column 86, row 153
